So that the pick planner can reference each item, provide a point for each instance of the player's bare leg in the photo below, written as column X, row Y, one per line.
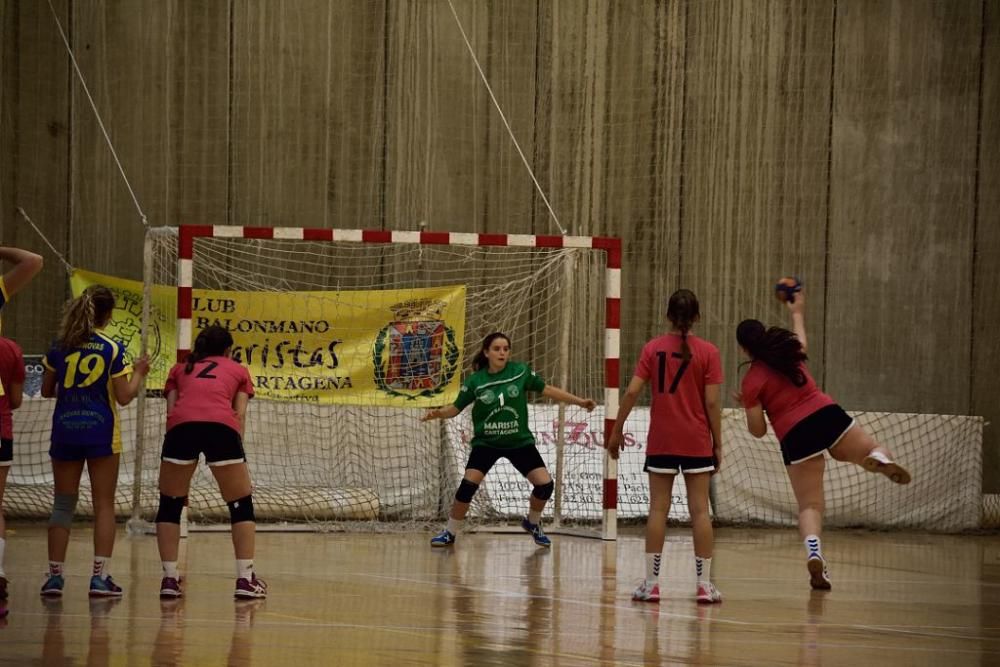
column 807, row 483
column 857, row 447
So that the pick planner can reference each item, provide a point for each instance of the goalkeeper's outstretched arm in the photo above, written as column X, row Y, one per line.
column 564, row 396
column 440, row 413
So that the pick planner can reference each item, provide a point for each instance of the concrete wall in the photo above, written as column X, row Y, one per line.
column 851, row 142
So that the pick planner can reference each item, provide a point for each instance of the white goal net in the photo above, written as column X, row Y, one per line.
column 349, row 340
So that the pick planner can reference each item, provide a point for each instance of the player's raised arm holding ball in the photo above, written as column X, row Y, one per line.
column 497, row 391
column 806, row 421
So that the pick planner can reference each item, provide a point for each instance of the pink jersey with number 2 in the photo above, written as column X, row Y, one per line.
column 206, row 393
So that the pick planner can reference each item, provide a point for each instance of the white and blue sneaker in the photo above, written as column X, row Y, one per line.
column 443, row 539
column 53, row 586
column 541, row 539
column 104, row 587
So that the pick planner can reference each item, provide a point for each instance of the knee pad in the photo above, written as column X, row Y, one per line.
column 241, row 510
column 170, row 509
column 63, row 508
column 544, row 491
column 465, row 491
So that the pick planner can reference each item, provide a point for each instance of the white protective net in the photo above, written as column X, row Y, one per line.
column 942, row 452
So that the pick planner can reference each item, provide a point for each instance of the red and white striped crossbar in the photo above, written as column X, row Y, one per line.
column 612, row 325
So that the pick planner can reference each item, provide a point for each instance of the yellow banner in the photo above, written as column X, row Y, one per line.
column 378, row 347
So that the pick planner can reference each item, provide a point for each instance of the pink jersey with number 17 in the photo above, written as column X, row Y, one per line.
column 678, row 424
column 206, row 393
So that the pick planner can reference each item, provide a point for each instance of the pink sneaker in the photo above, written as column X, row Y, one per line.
column 819, row 577
column 708, row 593
column 646, row 592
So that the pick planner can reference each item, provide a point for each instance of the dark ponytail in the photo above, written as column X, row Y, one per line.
column 683, row 311
column 480, row 361
column 211, row 342
column 778, row 348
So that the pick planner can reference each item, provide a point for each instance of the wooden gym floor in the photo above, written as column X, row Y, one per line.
column 495, row 599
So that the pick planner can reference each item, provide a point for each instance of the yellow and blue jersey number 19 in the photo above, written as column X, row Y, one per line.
column 83, row 370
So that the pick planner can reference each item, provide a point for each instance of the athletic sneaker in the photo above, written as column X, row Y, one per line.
column 443, row 539
column 170, row 588
column 819, row 577
column 3, row 588
column 880, row 463
column 541, row 539
column 250, row 588
column 104, row 588
column 53, row 586
column 647, row 592
column 708, row 593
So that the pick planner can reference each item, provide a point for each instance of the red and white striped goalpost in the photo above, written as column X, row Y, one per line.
column 187, row 234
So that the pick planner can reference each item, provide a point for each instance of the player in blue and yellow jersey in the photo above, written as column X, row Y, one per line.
column 497, row 392
column 88, row 375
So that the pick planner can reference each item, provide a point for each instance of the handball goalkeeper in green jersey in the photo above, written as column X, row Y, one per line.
column 497, row 391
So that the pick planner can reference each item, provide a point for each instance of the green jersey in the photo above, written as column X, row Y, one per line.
column 500, row 410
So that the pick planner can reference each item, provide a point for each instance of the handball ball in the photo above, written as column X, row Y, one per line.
column 786, row 288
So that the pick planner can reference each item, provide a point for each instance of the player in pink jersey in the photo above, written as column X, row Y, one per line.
column 685, row 437
column 806, row 422
column 11, row 393
column 25, row 266
column 207, row 399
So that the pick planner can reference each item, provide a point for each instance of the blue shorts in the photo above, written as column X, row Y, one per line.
column 80, row 452
column 6, row 452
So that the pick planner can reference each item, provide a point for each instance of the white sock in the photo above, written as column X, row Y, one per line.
column 244, row 568
column 101, row 566
column 653, row 568
column 455, row 525
column 170, row 569
column 879, row 456
column 535, row 516
column 703, row 568
column 55, row 567
column 3, row 545
column 813, row 549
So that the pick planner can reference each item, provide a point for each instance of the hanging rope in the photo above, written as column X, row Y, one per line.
column 69, row 267
column 503, row 117
column 104, row 131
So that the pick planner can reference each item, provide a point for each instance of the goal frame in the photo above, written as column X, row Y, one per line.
column 612, row 247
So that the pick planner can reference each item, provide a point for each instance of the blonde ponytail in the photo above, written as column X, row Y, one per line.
column 82, row 315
